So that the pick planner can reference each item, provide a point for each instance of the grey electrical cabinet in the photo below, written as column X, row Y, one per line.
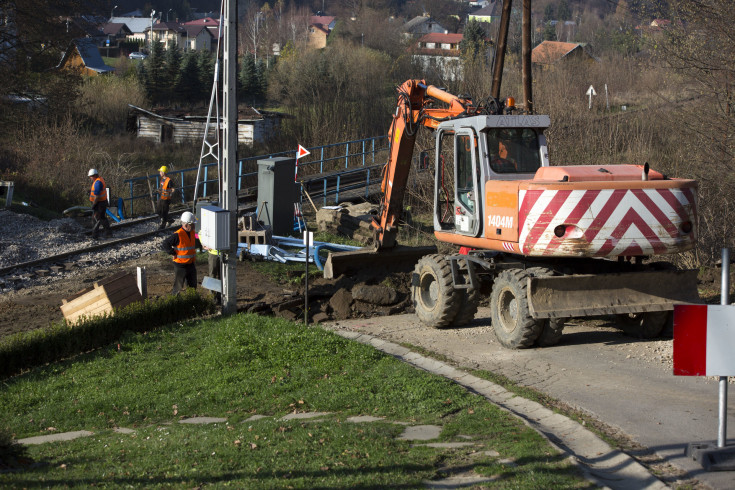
column 277, row 193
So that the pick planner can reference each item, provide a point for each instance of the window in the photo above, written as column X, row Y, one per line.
column 513, row 150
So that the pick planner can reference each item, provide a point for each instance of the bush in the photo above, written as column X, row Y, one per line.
column 29, row 349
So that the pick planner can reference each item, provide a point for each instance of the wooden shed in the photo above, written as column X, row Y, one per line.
column 253, row 126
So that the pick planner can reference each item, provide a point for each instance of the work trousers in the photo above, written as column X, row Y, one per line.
column 163, row 205
column 186, row 273
column 99, row 213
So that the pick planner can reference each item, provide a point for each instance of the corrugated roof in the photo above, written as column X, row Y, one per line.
column 207, row 21
column 551, row 51
column 90, row 55
column 115, row 28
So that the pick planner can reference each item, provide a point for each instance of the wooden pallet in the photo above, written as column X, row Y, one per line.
column 103, row 297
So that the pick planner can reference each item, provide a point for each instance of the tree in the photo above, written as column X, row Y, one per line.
column 249, row 78
column 549, row 13
column 155, row 76
column 205, row 64
column 563, row 12
column 474, row 44
column 188, row 85
column 173, row 69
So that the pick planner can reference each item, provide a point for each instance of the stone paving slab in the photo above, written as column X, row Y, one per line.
column 304, row 415
column 124, row 430
column 420, row 433
column 62, row 436
column 203, row 420
column 364, row 418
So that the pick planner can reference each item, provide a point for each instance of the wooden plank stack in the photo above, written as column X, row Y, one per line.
column 105, row 295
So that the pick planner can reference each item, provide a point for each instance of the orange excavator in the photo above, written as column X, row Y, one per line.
column 546, row 243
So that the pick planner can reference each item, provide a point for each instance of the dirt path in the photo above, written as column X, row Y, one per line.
column 595, row 368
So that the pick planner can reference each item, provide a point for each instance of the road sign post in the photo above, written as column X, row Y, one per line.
column 703, row 340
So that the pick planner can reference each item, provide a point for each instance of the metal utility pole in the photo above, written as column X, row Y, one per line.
column 229, row 153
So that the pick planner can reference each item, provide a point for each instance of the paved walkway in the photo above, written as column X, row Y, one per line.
column 599, row 462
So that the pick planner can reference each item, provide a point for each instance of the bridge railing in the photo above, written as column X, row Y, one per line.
column 333, row 158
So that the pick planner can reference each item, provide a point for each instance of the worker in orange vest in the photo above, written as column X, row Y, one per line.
column 182, row 245
column 165, row 191
column 99, row 198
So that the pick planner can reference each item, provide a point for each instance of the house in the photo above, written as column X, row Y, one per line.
column 84, row 56
column 168, row 34
column 116, row 31
column 326, row 21
column 317, row 36
column 422, row 25
column 552, row 52
column 438, row 54
column 319, row 28
column 208, row 22
column 490, row 13
column 138, row 27
column 253, row 126
column 197, row 38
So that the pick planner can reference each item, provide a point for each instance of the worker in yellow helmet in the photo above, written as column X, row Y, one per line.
column 165, row 191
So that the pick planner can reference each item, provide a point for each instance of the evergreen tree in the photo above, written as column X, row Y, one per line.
column 549, row 13
column 188, row 84
column 205, row 63
column 155, row 81
column 261, row 79
column 248, row 76
column 473, row 44
column 563, row 11
column 173, row 70
column 549, row 32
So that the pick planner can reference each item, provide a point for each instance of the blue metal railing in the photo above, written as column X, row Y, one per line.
column 359, row 155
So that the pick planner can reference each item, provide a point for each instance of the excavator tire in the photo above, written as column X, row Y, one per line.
column 552, row 328
column 551, row 332
column 643, row 325
column 435, row 300
column 469, row 301
column 514, row 327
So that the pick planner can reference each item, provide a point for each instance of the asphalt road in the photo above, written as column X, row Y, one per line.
column 595, row 368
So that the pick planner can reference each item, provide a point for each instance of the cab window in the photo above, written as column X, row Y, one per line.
column 513, row 150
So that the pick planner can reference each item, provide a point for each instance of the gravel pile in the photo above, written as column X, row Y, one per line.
column 25, row 238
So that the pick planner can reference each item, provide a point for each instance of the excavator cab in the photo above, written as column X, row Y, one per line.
column 457, row 182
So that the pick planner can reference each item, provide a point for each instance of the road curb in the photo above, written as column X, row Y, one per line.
column 600, row 463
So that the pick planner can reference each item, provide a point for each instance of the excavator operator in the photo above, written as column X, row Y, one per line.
column 500, row 161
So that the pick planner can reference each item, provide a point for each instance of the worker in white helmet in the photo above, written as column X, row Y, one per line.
column 99, row 199
column 165, row 191
column 182, row 245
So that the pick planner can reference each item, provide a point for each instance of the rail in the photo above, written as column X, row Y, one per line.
column 348, row 158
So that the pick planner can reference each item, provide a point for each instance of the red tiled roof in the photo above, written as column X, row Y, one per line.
column 436, row 37
column 324, row 20
column 207, row 21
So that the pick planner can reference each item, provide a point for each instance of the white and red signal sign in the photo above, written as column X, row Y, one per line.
column 704, row 339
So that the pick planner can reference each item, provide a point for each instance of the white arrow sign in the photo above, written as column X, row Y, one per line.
column 590, row 93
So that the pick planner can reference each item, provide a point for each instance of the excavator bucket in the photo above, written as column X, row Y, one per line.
column 398, row 258
column 603, row 294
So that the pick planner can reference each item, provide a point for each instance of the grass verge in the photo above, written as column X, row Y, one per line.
column 243, row 365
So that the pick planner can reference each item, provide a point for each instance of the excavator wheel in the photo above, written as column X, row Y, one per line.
column 469, row 300
column 643, row 325
column 551, row 332
column 435, row 300
column 552, row 328
column 514, row 327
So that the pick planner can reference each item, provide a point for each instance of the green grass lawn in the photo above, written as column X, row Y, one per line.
column 244, row 365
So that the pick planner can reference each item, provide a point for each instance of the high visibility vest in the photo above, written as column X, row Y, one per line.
column 103, row 194
column 185, row 253
column 166, row 190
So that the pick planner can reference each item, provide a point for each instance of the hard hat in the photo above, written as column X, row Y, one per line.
column 92, row 172
column 187, row 217
column 163, row 169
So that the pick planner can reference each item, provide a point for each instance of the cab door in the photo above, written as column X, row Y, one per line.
column 457, row 200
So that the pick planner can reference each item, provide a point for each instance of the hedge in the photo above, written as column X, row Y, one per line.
column 25, row 350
